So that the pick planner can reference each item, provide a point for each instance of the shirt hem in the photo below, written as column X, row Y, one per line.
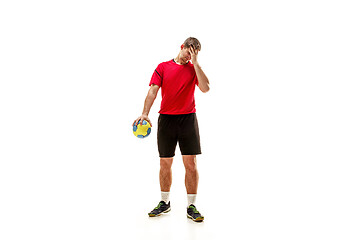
column 180, row 113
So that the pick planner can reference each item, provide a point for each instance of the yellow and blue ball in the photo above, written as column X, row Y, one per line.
column 142, row 131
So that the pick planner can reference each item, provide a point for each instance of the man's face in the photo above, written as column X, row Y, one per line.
column 185, row 55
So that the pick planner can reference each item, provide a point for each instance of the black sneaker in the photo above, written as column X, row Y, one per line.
column 194, row 214
column 161, row 208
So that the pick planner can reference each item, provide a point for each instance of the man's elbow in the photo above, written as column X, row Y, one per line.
column 205, row 89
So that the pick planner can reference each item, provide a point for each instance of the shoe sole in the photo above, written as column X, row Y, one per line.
column 155, row 215
column 198, row 219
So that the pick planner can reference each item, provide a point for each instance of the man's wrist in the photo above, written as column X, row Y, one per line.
column 196, row 64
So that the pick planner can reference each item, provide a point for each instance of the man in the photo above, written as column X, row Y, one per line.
column 177, row 121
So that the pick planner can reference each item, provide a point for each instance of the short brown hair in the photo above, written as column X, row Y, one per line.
column 191, row 41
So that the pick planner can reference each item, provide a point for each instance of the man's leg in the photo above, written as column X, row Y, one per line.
column 191, row 183
column 167, row 141
column 191, row 175
column 165, row 174
column 165, row 178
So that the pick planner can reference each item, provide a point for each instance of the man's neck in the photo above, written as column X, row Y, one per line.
column 177, row 60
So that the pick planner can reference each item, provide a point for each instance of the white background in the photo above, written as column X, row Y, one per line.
column 279, row 128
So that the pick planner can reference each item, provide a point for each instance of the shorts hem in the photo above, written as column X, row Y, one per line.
column 166, row 156
column 191, row 154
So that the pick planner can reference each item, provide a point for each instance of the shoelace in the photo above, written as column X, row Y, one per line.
column 194, row 209
column 159, row 205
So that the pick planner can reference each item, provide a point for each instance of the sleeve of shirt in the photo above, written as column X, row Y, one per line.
column 157, row 76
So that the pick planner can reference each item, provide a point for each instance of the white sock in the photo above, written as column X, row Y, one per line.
column 191, row 199
column 165, row 197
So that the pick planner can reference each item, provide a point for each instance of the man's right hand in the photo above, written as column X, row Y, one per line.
column 141, row 118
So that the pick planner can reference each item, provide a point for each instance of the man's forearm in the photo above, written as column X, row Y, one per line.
column 149, row 100
column 204, row 84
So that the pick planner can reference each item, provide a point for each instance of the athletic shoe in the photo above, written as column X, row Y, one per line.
column 194, row 214
column 161, row 208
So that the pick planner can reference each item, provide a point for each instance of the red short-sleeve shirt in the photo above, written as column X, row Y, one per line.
column 177, row 84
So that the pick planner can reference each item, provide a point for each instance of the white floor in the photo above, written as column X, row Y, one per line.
column 105, row 192
column 174, row 225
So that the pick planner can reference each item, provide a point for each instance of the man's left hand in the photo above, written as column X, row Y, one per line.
column 193, row 54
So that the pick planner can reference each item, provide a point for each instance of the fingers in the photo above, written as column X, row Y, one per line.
column 149, row 122
column 193, row 51
column 136, row 122
column 140, row 120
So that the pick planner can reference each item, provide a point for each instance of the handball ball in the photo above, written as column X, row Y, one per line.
column 142, row 131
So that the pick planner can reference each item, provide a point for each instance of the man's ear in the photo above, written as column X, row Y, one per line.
column 182, row 46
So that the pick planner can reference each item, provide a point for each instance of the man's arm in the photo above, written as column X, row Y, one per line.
column 204, row 84
column 149, row 100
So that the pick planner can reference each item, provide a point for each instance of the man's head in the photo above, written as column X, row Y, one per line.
column 192, row 42
column 184, row 55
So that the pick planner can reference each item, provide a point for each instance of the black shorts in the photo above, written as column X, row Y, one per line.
column 178, row 128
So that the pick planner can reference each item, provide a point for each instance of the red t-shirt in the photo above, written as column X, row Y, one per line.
column 177, row 84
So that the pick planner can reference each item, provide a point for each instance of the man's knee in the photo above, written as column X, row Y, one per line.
column 166, row 163
column 189, row 162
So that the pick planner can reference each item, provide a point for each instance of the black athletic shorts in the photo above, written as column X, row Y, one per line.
column 178, row 128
